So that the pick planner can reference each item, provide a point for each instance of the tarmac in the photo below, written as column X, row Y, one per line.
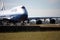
column 45, row 25
column 39, row 27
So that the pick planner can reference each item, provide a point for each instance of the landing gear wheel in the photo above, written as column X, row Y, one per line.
column 19, row 23
column 5, row 23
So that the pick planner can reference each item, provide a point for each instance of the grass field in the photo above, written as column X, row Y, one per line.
column 43, row 35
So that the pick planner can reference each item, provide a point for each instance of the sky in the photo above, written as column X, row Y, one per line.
column 36, row 8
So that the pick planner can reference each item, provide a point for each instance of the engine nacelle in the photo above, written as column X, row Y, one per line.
column 52, row 21
column 33, row 21
column 38, row 21
column 47, row 21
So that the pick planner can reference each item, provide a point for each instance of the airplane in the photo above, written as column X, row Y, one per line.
column 20, row 14
column 16, row 14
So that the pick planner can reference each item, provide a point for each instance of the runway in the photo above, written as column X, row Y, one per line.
column 40, row 27
column 45, row 25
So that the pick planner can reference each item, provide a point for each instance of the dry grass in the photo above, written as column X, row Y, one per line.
column 45, row 35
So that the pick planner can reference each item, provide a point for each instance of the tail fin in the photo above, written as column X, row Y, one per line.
column 2, row 7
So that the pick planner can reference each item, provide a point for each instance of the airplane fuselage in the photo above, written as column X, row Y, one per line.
column 15, row 14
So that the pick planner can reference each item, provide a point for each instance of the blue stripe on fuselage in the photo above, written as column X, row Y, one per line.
column 15, row 17
column 18, row 17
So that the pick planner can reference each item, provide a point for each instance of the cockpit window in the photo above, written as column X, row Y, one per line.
column 23, row 7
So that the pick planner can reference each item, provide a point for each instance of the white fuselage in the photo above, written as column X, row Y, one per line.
column 13, row 13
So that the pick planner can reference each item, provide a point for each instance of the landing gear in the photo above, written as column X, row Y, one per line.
column 5, row 23
column 19, row 23
column 9, row 23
